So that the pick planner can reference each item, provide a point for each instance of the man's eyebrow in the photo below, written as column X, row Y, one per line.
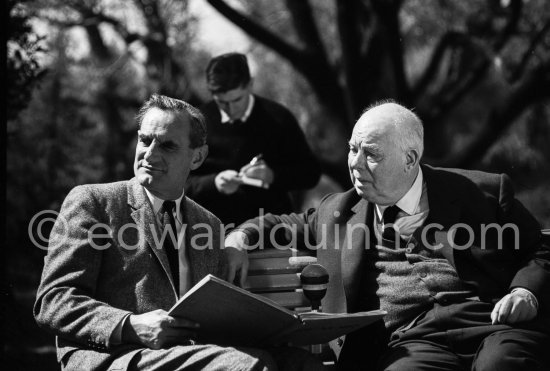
column 370, row 147
column 167, row 141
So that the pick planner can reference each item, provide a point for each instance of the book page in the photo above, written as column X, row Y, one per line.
column 318, row 328
column 230, row 315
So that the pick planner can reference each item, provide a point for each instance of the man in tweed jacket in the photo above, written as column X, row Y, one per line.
column 108, row 282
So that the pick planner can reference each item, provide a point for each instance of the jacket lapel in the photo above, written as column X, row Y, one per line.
column 356, row 243
column 200, row 241
column 444, row 210
column 143, row 215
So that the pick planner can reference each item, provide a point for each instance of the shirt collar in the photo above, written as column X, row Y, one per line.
column 410, row 201
column 225, row 116
column 157, row 203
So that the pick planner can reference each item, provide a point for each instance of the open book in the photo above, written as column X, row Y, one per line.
column 230, row 315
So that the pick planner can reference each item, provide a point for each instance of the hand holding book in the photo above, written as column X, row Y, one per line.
column 230, row 315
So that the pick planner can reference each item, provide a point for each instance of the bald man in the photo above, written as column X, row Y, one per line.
column 455, row 260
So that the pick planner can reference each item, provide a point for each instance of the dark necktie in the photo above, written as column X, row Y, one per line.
column 168, row 221
column 390, row 214
column 237, row 122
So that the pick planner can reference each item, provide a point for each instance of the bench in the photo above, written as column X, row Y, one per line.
column 275, row 274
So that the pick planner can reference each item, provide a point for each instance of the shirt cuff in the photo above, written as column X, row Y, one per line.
column 533, row 297
column 116, row 335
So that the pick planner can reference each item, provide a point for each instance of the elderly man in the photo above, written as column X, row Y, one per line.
column 121, row 254
column 241, row 126
column 451, row 255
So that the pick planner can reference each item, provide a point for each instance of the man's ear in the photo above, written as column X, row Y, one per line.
column 199, row 155
column 412, row 159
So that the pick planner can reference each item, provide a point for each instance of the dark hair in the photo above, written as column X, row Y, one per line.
column 226, row 72
column 197, row 134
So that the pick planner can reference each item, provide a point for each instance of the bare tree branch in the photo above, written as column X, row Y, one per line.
column 449, row 40
column 516, row 7
column 450, row 95
column 453, row 91
column 153, row 18
column 257, row 31
column 388, row 11
column 529, row 53
column 97, row 19
column 310, row 63
column 533, row 88
column 128, row 37
column 349, row 22
column 304, row 24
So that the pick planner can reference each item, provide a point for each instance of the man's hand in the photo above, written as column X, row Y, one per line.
column 227, row 182
column 518, row 306
column 157, row 329
column 237, row 256
column 259, row 171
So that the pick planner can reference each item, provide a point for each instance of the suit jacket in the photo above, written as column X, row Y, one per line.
column 86, row 291
column 469, row 200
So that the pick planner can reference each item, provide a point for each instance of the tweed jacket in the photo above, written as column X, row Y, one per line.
column 105, row 262
column 468, row 200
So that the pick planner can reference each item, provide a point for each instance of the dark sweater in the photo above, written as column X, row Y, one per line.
column 270, row 130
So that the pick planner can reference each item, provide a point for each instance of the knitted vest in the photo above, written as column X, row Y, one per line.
column 405, row 278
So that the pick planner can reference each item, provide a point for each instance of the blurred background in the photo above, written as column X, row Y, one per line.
column 476, row 71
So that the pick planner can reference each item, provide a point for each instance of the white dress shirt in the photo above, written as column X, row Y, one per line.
column 414, row 212
column 227, row 120
column 414, row 209
column 184, row 271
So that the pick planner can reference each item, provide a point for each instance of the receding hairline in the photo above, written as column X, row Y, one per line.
column 180, row 114
column 396, row 113
column 195, row 118
column 394, row 119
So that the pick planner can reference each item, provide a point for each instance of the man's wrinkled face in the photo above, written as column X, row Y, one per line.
column 234, row 102
column 376, row 163
column 163, row 157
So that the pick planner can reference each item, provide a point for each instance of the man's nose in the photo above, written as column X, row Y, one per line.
column 152, row 150
column 356, row 160
column 230, row 109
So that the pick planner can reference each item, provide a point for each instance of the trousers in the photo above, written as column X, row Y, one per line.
column 460, row 336
column 212, row 358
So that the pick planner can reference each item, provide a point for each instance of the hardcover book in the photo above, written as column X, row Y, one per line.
column 230, row 315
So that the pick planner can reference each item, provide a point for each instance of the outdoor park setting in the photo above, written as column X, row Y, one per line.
column 477, row 73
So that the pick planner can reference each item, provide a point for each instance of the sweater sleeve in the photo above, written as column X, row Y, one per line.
column 202, row 185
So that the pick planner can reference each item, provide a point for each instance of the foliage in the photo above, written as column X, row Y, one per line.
column 476, row 71
column 472, row 81
column 22, row 67
column 104, row 58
